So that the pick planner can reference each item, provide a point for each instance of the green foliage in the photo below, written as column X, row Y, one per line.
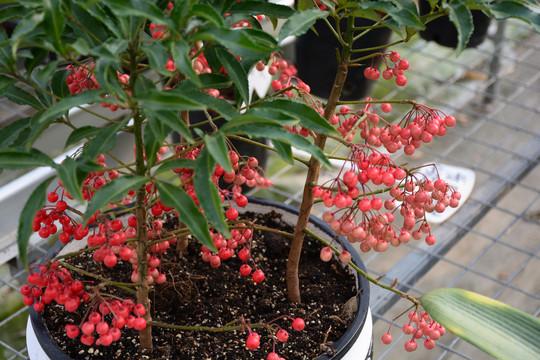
column 498, row 329
column 462, row 19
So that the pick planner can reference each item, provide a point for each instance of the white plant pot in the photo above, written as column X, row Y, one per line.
column 355, row 344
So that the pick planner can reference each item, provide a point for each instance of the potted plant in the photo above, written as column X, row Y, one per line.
column 163, row 255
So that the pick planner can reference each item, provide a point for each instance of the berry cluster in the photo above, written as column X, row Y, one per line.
column 159, row 31
column 420, row 326
column 368, row 219
column 253, row 340
column 53, row 283
column 106, row 322
column 81, row 78
column 395, row 68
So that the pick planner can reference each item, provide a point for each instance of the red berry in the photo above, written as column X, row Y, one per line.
column 386, row 338
column 429, row 344
column 72, row 331
column 272, row 356
column 326, row 254
column 386, row 107
column 401, row 80
column 87, row 340
column 245, row 270
column 410, row 346
column 52, row 197
column 71, row 305
column 258, row 276
column 102, row 328
column 110, row 260
column 88, row 328
column 61, row 206
column 139, row 310
column 231, row 213
column 253, row 341
column 105, row 340
column 244, row 254
column 298, row 324
column 139, row 324
column 282, row 335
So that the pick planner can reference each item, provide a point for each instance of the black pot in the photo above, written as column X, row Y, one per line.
column 317, row 63
column 443, row 32
column 341, row 346
column 242, row 147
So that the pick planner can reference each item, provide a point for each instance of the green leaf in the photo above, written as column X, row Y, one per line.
column 494, row 327
column 208, row 13
column 22, row 159
column 235, row 71
column 22, row 97
column 10, row 133
column 84, row 132
column 180, row 53
column 139, row 8
column 112, row 192
column 300, row 23
column 189, row 214
column 256, row 8
column 207, row 192
column 157, row 57
column 209, row 102
column 307, row 116
column 172, row 120
column 54, row 23
column 516, row 9
column 169, row 100
column 104, row 140
column 240, row 41
column 172, row 164
column 214, row 81
column 71, row 177
column 462, row 19
column 154, row 134
column 34, row 203
column 217, row 148
column 65, row 104
column 276, row 132
column 284, row 150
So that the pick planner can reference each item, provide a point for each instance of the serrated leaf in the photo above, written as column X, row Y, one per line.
column 208, row 194
column 462, row 19
column 217, row 148
column 300, row 22
column 256, row 8
column 23, row 159
column 172, row 120
column 189, row 214
column 307, row 116
column 104, row 140
column 112, row 192
column 71, row 177
column 84, row 132
column 34, row 203
column 235, row 71
column 498, row 329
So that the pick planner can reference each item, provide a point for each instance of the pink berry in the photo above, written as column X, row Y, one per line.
column 298, row 324
column 345, row 257
column 282, row 335
column 386, row 107
column 410, row 346
column 258, row 276
column 245, row 270
column 272, row 356
column 253, row 341
column 326, row 254
column 386, row 338
column 231, row 213
column 72, row 331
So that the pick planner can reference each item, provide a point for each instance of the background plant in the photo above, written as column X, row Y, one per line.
column 146, row 60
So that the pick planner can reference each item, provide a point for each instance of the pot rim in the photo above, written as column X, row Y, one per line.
column 342, row 345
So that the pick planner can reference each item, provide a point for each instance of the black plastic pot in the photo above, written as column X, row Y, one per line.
column 242, row 147
column 443, row 32
column 341, row 346
column 317, row 63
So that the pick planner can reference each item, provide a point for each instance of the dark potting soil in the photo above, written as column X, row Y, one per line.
column 196, row 294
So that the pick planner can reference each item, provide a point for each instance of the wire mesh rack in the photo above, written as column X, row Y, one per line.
column 491, row 245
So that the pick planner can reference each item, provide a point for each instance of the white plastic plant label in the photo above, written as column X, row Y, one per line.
column 458, row 177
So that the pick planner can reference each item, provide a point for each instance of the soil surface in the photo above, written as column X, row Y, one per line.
column 197, row 294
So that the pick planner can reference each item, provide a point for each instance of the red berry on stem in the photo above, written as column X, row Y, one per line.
column 298, row 324
column 282, row 335
column 258, row 276
column 245, row 270
column 253, row 341
column 231, row 213
column 386, row 338
column 72, row 331
column 52, row 197
column 326, row 254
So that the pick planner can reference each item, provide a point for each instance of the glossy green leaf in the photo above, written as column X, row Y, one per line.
column 11, row 132
column 209, row 13
column 208, row 194
column 80, row 134
column 215, row 81
column 140, row 8
column 243, row 42
column 113, row 191
column 34, row 203
column 235, row 71
column 496, row 328
column 216, row 145
column 222, row 107
column 257, row 7
column 104, row 140
column 54, row 22
column 171, row 164
column 154, row 134
column 180, row 52
column 157, row 57
column 189, row 214
column 71, row 177
column 300, row 22
column 462, row 19
column 172, row 120
column 23, row 159
column 276, row 132
column 169, row 100
column 307, row 116
column 22, row 97
column 284, row 150
column 515, row 9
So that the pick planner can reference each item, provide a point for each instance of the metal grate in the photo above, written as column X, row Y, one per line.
column 491, row 245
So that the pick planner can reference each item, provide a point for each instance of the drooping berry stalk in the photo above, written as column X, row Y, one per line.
column 293, row 262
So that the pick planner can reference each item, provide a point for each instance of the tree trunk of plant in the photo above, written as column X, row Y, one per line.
column 145, row 336
column 293, row 262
